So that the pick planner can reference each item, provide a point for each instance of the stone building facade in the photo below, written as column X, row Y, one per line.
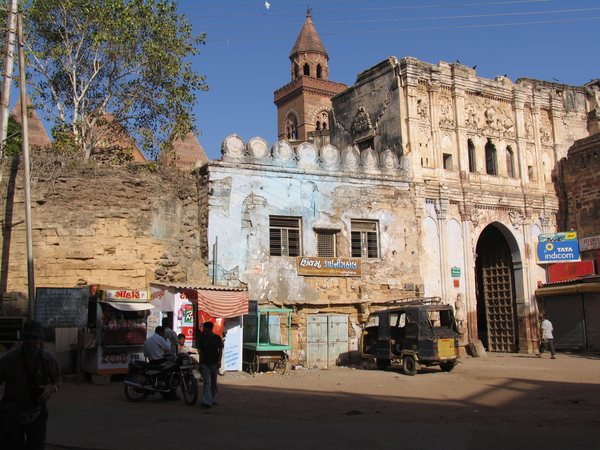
column 481, row 156
column 457, row 176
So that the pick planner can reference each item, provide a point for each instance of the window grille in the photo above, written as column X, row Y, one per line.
column 365, row 239
column 284, row 236
column 325, row 244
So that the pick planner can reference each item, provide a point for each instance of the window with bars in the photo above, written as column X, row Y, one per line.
column 284, row 236
column 326, row 244
column 365, row 239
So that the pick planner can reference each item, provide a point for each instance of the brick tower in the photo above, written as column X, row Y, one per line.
column 304, row 105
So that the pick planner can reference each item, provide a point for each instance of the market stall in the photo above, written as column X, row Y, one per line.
column 191, row 306
column 117, row 330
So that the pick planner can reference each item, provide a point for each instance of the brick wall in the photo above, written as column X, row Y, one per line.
column 581, row 184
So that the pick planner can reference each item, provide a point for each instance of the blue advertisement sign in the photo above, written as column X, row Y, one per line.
column 558, row 247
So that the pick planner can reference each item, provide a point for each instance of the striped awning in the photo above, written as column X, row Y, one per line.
column 223, row 304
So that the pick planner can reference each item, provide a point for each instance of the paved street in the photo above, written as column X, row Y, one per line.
column 499, row 402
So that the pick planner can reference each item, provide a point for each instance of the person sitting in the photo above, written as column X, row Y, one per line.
column 156, row 346
column 181, row 347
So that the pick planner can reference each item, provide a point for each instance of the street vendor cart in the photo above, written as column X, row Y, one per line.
column 267, row 339
column 118, row 321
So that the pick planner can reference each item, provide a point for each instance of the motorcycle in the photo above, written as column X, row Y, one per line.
column 144, row 379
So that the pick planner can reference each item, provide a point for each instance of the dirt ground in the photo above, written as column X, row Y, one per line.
column 500, row 401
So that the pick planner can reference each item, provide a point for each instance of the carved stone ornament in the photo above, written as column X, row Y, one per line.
column 476, row 217
column 307, row 155
column 233, row 147
column 369, row 160
column 516, row 218
column 362, row 121
column 350, row 159
column 258, row 148
column 388, row 161
column 330, row 157
column 283, row 151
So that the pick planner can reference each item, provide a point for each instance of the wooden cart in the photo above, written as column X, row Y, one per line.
column 267, row 339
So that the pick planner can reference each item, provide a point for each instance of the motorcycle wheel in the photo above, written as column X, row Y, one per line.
column 135, row 394
column 189, row 389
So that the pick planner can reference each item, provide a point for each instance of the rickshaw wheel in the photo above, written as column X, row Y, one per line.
column 409, row 365
column 282, row 365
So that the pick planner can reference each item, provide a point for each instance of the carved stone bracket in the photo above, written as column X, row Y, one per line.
column 362, row 122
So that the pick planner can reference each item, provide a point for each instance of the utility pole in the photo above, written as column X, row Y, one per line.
column 26, row 184
column 8, row 74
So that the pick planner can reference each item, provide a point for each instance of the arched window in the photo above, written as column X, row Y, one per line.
column 291, row 127
column 319, row 71
column 491, row 164
column 296, row 70
column 471, row 150
column 322, row 120
column 306, row 69
column 510, row 162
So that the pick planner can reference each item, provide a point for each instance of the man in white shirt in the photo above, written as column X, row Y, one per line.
column 547, row 337
column 156, row 346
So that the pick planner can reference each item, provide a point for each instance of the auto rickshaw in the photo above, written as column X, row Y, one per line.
column 417, row 332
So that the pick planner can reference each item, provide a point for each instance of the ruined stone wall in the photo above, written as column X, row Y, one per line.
column 119, row 226
column 581, row 185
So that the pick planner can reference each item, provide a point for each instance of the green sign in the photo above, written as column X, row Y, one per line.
column 455, row 272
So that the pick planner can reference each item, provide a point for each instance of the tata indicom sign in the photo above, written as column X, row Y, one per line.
column 558, row 247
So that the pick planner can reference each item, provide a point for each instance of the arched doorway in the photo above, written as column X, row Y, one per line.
column 497, row 324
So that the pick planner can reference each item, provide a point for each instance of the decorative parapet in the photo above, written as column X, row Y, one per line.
column 306, row 157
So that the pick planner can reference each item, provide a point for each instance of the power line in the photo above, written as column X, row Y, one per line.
column 348, row 1
column 411, row 29
column 407, row 19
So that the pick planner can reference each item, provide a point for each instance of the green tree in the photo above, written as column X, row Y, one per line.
column 102, row 68
column 14, row 137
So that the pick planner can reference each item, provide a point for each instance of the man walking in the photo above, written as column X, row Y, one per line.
column 32, row 376
column 211, row 348
column 547, row 337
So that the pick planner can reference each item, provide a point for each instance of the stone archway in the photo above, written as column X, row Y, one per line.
column 498, row 277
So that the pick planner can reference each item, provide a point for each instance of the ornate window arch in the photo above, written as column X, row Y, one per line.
column 322, row 120
column 291, row 127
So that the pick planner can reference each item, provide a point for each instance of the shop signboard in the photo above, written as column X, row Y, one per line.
column 329, row 267
column 570, row 271
column 116, row 360
column 558, row 247
column 589, row 243
column 124, row 295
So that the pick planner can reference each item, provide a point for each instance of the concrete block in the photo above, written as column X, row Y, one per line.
column 476, row 349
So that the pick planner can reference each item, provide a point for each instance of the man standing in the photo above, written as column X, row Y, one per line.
column 156, row 346
column 211, row 348
column 547, row 337
column 32, row 376
column 170, row 335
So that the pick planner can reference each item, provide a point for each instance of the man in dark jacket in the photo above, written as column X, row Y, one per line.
column 32, row 376
column 211, row 348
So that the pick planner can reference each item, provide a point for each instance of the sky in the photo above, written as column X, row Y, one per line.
column 246, row 55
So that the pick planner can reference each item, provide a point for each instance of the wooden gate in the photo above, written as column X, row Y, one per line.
column 496, row 296
column 327, row 340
